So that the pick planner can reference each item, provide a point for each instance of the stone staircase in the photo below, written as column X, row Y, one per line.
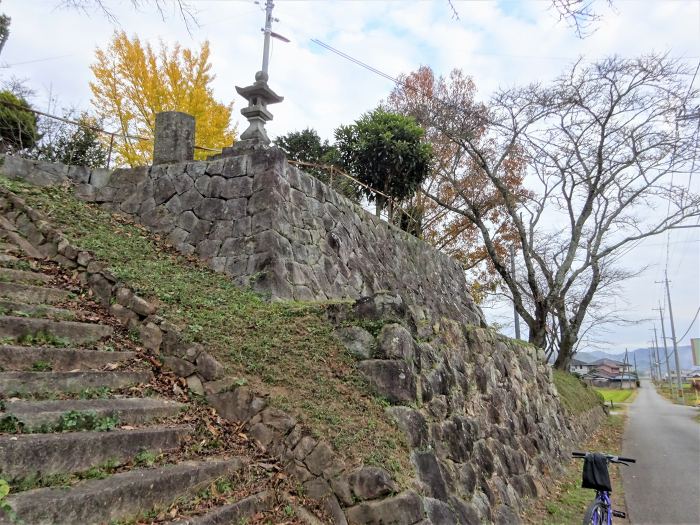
column 92, row 430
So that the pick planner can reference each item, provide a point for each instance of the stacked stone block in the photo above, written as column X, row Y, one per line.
column 480, row 412
column 283, row 232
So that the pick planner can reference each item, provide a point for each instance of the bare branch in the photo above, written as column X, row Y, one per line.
column 601, row 145
column 455, row 13
column 183, row 8
column 578, row 14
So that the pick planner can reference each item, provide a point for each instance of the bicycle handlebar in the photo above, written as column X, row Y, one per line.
column 611, row 458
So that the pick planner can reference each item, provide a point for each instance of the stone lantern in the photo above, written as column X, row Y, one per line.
column 258, row 95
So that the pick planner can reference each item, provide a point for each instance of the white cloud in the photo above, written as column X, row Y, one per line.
column 498, row 43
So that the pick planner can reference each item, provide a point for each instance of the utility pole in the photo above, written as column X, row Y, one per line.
column 679, row 381
column 658, row 358
column 663, row 338
column 515, row 310
column 269, row 5
column 652, row 362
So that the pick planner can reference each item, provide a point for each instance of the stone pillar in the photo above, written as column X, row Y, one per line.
column 174, row 140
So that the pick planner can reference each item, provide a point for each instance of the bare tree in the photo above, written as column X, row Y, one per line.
column 182, row 7
column 581, row 15
column 606, row 156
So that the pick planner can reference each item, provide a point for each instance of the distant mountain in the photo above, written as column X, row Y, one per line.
column 642, row 355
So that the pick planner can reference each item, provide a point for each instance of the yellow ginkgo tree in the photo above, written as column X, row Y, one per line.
column 133, row 82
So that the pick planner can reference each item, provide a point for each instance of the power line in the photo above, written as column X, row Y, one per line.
column 88, row 126
column 691, row 324
column 4, row 66
column 356, row 61
column 692, row 166
column 397, row 81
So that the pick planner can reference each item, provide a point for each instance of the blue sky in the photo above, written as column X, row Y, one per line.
column 499, row 43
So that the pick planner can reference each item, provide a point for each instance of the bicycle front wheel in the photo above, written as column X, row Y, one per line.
column 595, row 514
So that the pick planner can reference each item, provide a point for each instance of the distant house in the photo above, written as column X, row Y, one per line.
column 610, row 366
column 579, row 368
column 624, row 381
column 605, row 373
column 692, row 374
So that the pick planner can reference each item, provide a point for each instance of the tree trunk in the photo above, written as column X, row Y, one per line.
column 380, row 203
column 538, row 337
column 538, row 334
column 566, row 351
column 538, row 327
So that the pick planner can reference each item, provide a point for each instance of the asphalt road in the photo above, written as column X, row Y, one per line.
column 663, row 487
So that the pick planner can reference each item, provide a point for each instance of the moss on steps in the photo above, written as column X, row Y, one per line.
column 284, row 349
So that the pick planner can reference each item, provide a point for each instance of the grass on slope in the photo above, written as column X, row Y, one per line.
column 575, row 395
column 283, row 349
column 566, row 501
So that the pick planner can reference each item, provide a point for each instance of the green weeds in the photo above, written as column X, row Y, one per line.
column 100, row 392
column 72, row 421
column 41, row 366
column 43, row 339
column 574, row 394
column 566, row 502
column 76, row 420
column 62, row 479
column 145, row 458
column 283, row 349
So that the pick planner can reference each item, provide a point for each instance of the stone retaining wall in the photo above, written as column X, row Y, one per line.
column 275, row 228
column 480, row 411
column 364, row 495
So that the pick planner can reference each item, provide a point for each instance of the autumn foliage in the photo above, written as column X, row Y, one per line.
column 455, row 177
column 133, row 82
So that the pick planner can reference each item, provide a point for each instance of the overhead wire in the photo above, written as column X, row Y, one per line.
column 691, row 325
column 669, row 251
column 5, row 66
column 400, row 83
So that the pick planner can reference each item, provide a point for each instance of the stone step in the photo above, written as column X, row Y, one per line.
column 118, row 497
column 14, row 239
column 8, row 260
column 46, row 330
column 8, row 248
column 128, row 411
column 19, row 383
column 58, row 359
column 26, row 293
column 18, row 309
column 238, row 512
column 44, row 454
column 7, row 224
column 22, row 276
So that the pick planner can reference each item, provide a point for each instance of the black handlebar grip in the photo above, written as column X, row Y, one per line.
column 627, row 460
column 578, row 454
